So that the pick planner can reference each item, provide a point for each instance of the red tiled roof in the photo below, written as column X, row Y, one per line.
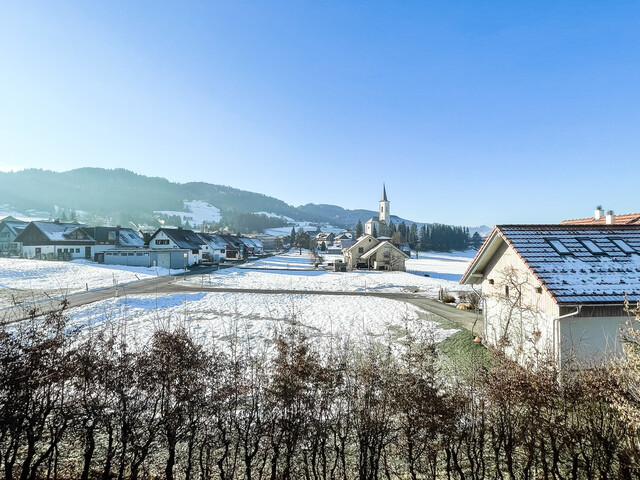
column 624, row 219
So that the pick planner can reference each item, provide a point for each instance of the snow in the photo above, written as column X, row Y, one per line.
column 292, row 271
column 220, row 316
column 276, row 215
column 447, row 266
column 196, row 213
column 62, row 278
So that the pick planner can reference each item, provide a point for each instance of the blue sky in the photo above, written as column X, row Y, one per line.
column 471, row 112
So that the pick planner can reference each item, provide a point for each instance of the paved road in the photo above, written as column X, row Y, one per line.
column 168, row 285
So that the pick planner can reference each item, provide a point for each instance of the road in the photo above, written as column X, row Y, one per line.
column 167, row 285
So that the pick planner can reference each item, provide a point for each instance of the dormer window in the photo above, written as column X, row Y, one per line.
column 622, row 245
column 559, row 247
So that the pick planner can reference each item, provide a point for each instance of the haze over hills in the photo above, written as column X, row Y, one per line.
column 120, row 196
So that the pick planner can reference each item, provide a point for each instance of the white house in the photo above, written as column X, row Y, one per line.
column 370, row 252
column 55, row 240
column 557, row 289
column 215, row 247
column 179, row 238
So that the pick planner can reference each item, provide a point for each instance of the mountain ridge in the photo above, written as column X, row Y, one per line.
column 120, row 195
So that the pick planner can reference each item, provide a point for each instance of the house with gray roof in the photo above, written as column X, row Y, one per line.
column 10, row 228
column 181, row 238
column 557, row 290
column 55, row 240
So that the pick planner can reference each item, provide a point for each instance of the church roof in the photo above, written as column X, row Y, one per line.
column 384, row 194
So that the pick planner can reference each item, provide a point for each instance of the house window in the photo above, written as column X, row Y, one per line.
column 162, row 242
column 538, row 289
column 622, row 245
column 38, row 250
column 491, row 282
column 77, row 250
column 360, row 249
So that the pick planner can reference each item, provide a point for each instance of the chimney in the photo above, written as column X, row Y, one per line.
column 609, row 219
column 598, row 213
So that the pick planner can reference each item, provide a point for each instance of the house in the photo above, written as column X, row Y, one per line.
column 372, row 226
column 55, row 240
column 215, row 248
column 236, row 249
column 255, row 246
column 108, row 238
column 169, row 238
column 344, row 235
column 10, row 228
column 270, row 243
column 557, row 289
column 372, row 253
column 599, row 218
column 326, row 237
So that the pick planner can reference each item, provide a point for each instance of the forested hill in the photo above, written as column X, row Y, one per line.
column 121, row 195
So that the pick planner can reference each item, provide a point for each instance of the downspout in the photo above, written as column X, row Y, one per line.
column 556, row 334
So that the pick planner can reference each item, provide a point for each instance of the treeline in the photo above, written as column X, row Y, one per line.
column 434, row 237
column 78, row 404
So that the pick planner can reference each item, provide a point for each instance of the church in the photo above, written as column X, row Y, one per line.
column 372, row 226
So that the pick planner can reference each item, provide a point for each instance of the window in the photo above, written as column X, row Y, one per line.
column 592, row 247
column 360, row 249
column 162, row 242
column 622, row 245
column 66, row 250
column 77, row 250
column 538, row 289
column 559, row 247
column 491, row 281
column 111, row 236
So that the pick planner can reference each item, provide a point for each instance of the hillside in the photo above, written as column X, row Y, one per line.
column 120, row 196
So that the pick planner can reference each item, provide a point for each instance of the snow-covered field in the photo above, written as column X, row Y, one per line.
column 196, row 213
column 220, row 316
column 22, row 279
column 292, row 271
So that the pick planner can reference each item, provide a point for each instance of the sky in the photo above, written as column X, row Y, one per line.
column 470, row 112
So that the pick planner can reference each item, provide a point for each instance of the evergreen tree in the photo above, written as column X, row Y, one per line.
column 73, row 216
column 476, row 240
column 359, row 229
column 63, row 217
column 292, row 239
column 374, row 232
column 413, row 236
column 424, row 239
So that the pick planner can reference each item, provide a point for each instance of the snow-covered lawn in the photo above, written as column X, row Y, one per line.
column 196, row 213
column 292, row 271
column 33, row 277
column 219, row 316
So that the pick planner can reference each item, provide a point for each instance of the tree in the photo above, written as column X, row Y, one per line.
column 292, row 235
column 303, row 240
column 374, row 232
column 476, row 240
column 323, row 247
column 359, row 229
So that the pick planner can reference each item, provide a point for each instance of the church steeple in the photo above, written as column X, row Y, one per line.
column 383, row 207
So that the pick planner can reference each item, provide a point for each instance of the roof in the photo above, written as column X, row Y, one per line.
column 57, row 231
column 371, row 252
column 213, row 240
column 127, row 237
column 384, row 194
column 233, row 241
column 624, row 219
column 15, row 226
column 347, row 243
column 182, row 237
column 590, row 264
column 362, row 240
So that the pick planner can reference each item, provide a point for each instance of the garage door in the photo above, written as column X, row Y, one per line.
column 164, row 260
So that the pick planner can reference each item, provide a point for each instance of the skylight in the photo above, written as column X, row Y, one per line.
column 559, row 247
column 592, row 247
column 622, row 245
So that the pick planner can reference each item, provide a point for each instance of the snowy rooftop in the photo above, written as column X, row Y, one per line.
column 56, row 231
column 575, row 263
